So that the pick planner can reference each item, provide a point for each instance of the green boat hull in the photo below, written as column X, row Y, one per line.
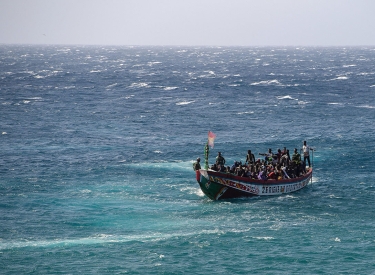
column 216, row 185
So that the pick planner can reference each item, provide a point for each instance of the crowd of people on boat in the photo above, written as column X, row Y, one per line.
column 273, row 166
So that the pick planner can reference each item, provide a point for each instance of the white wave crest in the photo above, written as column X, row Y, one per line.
column 153, row 63
column 209, row 74
column 138, row 85
column 264, row 238
column 185, row 102
column 286, row 97
column 170, row 88
column 112, row 85
column 267, row 82
column 244, row 113
column 366, row 106
column 340, row 78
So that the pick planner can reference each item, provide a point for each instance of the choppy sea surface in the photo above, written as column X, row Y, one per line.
column 97, row 145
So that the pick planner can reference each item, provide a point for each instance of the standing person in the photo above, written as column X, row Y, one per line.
column 267, row 156
column 220, row 160
column 285, row 157
column 250, row 158
column 197, row 165
column 296, row 159
column 306, row 152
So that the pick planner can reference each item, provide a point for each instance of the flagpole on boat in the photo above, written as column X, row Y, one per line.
column 206, row 152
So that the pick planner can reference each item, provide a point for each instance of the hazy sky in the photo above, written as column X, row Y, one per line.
column 189, row 22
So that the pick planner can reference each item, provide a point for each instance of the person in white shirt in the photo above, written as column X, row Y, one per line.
column 306, row 153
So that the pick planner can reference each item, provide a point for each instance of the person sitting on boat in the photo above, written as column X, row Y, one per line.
column 306, row 152
column 250, row 159
column 220, row 160
column 254, row 174
column 263, row 173
column 239, row 171
column 197, row 165
column 278, row 172
column 247, row 172
column 233, row 167
column 291, row 169
column 272, row 175
column 214, row 167
column 227, row 170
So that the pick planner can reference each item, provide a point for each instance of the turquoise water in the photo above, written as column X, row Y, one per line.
column 97, row 145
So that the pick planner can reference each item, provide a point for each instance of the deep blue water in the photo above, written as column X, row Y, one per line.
column 97, row 145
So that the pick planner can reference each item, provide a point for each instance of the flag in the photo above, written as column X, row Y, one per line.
column 211, row 138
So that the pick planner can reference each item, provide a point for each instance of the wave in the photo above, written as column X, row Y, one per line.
column 112, row 85
column 340, row 78
column 170, row 88
column 181, row 165
column 366, row 106
column 192, row 191
column 264, row 238
column 35, row 98
column 267, row 82
column 335, row 103
column 139, row 85
column 185, row 102
column 104, row 238
column 153, row 63
column 244, row 113
column 209, row 74
column 286, row 97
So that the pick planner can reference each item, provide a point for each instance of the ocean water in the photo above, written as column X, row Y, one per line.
column 97, row 145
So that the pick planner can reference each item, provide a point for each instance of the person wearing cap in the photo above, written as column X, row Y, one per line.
column 197, row 165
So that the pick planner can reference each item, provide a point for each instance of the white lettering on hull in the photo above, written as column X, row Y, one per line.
column 262, row 189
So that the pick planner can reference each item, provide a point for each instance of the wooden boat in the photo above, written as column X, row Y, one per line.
column 218, row 185
column 222, row 185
